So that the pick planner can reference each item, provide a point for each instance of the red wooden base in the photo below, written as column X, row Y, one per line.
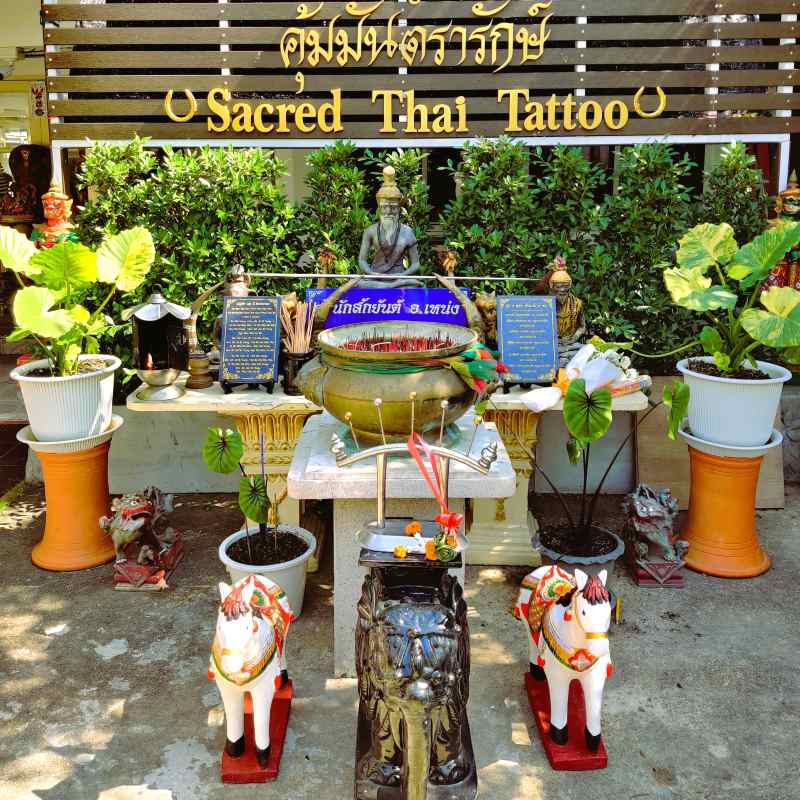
column 644, row 578
column 574, row 755
column 245, row 768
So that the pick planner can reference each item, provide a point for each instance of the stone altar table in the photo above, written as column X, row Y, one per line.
column 314, row 475
column 501, row 528
column 280, row 417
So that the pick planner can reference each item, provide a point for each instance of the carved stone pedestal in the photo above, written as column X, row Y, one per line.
column 278, row 416
column 502, row 528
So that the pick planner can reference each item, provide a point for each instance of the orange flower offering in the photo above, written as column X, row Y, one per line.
column 413, row 527
column 430, row 550
column 400, row 551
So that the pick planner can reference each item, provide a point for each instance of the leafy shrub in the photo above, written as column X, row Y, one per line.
column 569, row 191
column 492, row 223
column 735, row 194
column 648, row 212
column 334, row 213
column 205, row 208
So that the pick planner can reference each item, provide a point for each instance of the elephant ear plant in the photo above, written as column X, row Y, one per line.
column 56, row 282
column 741, row 316
column 588, row 417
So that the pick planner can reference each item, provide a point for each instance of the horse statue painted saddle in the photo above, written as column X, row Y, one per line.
column 249, row 655
column 567, row 618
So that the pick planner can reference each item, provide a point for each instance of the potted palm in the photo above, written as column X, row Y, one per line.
column 588, row 417
column 278, row 551
column 734, row 396
column 68, row 390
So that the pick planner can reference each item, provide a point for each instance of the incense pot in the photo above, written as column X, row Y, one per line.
column 412, row 391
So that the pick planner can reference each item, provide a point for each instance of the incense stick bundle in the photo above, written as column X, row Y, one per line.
column 298, row 327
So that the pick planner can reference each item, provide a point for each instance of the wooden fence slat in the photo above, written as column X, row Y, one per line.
column 552, row 57
column 547, row 81
column 367, row 130
column 450, row 9
column 739, row 101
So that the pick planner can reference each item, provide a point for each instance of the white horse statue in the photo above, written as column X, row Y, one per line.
column 568, row 619
column 249, row 655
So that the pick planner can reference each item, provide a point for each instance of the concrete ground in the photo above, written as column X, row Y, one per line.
column 104, row 694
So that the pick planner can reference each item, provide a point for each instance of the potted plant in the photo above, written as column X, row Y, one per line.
column 734, row 396
column 68, row 390
column 278, row 551
column 587, row 416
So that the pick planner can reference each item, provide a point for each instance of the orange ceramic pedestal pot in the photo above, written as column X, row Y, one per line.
column 76, row 496
column 721, row 527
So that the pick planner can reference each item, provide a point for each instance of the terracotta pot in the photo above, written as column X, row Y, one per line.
column 76, row 496
column 721, row 524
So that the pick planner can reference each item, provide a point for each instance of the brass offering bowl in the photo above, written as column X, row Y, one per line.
column 348, row 382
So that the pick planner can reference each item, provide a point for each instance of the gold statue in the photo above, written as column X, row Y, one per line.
column 570, row 315
column 787, row 203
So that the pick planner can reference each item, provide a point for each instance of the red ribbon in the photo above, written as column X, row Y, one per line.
column 449, row 520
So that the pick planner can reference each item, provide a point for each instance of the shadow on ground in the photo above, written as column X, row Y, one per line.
column 104, row 695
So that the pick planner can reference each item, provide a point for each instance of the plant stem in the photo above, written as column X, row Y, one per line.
column 550, row 483
column 639, row 421
column 103, row 304
column 680, row 349
column 585, row 463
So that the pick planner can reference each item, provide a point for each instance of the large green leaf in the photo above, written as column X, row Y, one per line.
column 126, row 258
column 65, row 265
column 601, row 345
column 754, row 260
column 16, row 251
column 691, row 289
column 32, row 311
column 253, row 500
column 222, row 450
column 779, row 325
column 711, row 340
column 587, row 417
column 676, row 399
column 706, row 245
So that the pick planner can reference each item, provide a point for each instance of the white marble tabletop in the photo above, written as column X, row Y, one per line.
column 636, row 401
column 241, row 400
column 315, row 475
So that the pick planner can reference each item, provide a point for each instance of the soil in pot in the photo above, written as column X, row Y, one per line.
column 85, row 366
column 565, row 540
column 267, row 548
column 709, row 368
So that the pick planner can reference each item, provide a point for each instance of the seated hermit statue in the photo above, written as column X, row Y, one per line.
column 570, row 316
column 388, row 243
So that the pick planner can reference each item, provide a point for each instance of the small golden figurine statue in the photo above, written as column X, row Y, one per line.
column 570, row 315
column 57, row 208
column 387, row 243
column 787, row 208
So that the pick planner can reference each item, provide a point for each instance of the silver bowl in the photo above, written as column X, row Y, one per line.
column 160, row 384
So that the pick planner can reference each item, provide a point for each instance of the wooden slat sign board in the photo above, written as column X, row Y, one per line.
column 450, row 69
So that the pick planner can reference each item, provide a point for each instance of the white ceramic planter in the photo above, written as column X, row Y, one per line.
column 290, row 576
column 734, row 411
column 69, row 407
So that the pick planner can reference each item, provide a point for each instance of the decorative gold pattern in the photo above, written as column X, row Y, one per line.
column 281, row 426
column 515, row 426
column 500, row 510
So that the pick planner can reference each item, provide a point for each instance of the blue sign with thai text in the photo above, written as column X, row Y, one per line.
column 527, row 336
column 412, row 304
column 250, row 339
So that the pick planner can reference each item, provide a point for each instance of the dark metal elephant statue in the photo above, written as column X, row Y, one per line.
column 412, row 660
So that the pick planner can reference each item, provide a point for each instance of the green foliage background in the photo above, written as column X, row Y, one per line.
column 517, row 208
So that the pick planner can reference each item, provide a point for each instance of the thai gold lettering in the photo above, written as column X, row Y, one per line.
column 480, row 10
column 533, row 43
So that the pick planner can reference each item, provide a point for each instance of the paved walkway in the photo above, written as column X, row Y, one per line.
column 103, row 694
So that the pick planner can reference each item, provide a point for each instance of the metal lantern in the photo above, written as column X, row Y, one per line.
column 159, row 345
